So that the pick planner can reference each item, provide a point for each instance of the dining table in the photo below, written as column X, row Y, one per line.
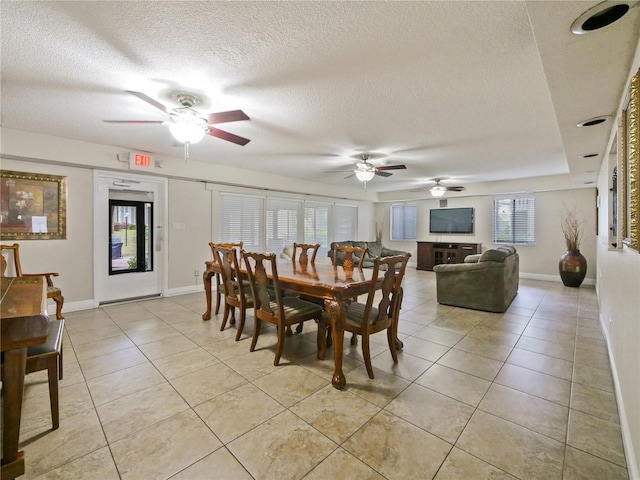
column 336, row 285
column 23, row 323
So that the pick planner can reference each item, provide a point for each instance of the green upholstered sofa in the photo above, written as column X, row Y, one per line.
column 375, row 249
column 487, row 281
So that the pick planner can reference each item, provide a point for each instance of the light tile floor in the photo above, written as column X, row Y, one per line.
column 151, row 391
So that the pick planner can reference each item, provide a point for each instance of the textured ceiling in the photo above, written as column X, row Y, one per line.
column 467, row 91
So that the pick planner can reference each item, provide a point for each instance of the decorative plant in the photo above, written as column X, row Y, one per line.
column 379, row 228
column 571, row 225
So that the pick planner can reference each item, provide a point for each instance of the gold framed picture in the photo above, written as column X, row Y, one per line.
column 33, row 206
column 631, row 165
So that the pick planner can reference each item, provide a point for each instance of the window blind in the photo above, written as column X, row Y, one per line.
column 403, row 222
column 282, row 223
column 242, row 219
column 514, row 221
column 316, row 225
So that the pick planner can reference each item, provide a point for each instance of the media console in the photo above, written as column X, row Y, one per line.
column 435, row 253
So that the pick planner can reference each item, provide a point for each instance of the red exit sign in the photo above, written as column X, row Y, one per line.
column 140, row 161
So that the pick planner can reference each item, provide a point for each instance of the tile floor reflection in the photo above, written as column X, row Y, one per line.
column 151, row 391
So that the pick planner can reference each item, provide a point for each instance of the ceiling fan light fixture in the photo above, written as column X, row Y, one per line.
column 437, row 191
column 365, row 175
column 187, row 126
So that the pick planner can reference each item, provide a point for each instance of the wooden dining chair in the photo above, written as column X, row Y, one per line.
column 366, row 319
column 304, row 259
column 237, row 291
column 53, row 292
column 281, row 311
column 305, row 249
column 219, row 290
column 348, row 255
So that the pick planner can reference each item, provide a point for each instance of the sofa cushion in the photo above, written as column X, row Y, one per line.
column 493, row 255
column 375, row 249
column 474, row 258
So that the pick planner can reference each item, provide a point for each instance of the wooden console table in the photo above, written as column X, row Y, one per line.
column 23, row 323
column 431, row 254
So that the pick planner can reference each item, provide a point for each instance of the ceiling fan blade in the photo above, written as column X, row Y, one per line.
column 392, row 167
column 229, row 137
column 224, row 117
column 455, row 189
column 383, row 174
column 158, row 122
column 349, row 176
column 149, row 100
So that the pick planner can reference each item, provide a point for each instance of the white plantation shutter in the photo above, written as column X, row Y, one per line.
column 283, row 223
column 345, row 222
column 242, row 220
column 514, row 221
column 316, row 225
column 403, row 222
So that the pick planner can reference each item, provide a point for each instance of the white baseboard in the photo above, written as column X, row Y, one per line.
column 627, row 443
column 172, row 292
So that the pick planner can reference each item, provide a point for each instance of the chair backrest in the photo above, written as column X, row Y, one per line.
column 10, row 261
column 264, row 288
column 227, row 258
column 213, row 245
column 349, row 252
column 391, row 291
column 304, row 252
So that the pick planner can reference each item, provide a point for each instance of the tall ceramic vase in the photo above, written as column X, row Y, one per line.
column 573, row 268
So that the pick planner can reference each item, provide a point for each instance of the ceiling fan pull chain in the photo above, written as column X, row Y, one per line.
column 186, row 151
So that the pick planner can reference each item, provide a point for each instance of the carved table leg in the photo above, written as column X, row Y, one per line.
column 338, row 314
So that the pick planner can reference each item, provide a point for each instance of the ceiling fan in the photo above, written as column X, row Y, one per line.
column 187, row 125
column 365, row 171
column 438, row 190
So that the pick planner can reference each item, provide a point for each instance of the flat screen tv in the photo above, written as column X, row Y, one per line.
column 451, row 220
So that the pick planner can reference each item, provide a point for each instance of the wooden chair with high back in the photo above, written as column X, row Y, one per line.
column 53, row 292
column 217, row 275
column 280, row 311
column 304, row 259
column 365, row 319
column 237, row 292
column 348, row 255
column 305, row 248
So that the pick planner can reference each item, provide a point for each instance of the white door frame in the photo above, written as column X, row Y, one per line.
column 102, row 180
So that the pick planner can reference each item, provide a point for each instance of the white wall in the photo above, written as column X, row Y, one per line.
column 618, row 288
column 537, row 261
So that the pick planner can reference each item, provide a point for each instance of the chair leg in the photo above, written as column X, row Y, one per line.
column 256, row 333
column 52, row 371
column 289, row 332
column 227, row 308
column 218, row 293
column 59, row 302
column 354, row 339
column 322, row 339
column 243, row 317
column 367, row 355
column 299, row 327
column 280, row 346
column 60, row 370
column 391, row 338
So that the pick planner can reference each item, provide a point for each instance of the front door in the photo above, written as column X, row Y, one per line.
column 129, row 257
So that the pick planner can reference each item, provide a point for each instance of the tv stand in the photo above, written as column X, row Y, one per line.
column 435, row 253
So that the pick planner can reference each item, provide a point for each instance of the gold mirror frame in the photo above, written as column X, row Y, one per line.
column 631, row 165
column 33, row 206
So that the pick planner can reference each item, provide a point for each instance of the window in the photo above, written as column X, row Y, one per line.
column 316, row 225
column 242, row 220
column 514, row 221
column 403, row 222
column 282, row 223
column 345, row 222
